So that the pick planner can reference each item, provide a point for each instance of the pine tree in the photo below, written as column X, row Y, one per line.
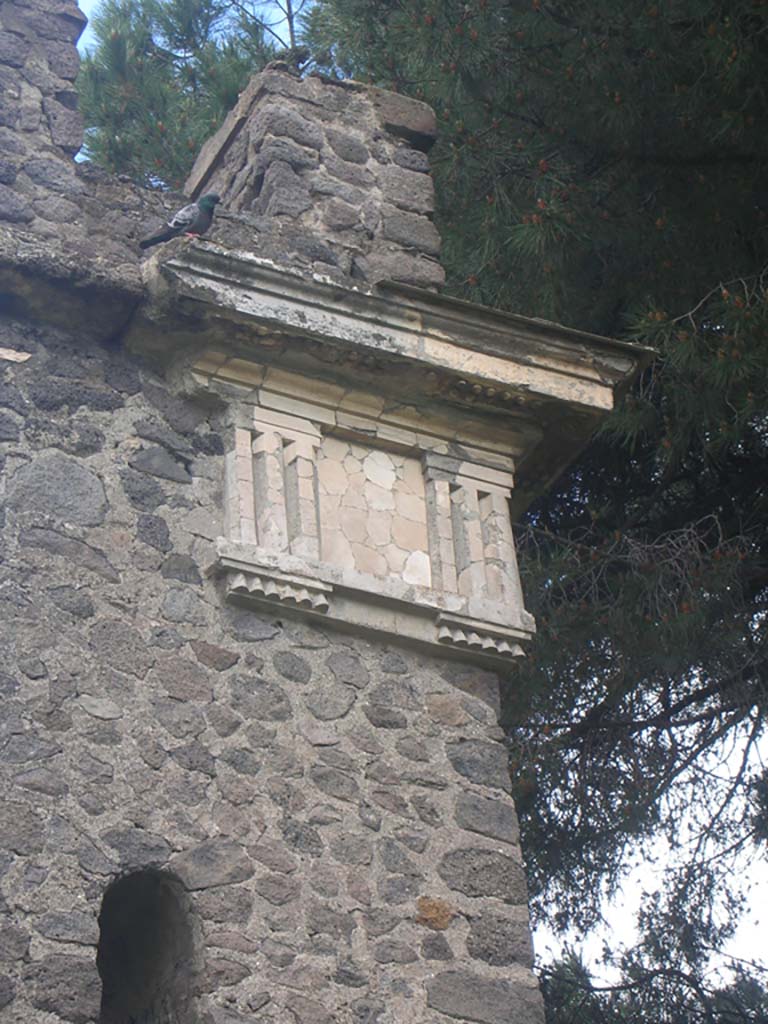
column 160, row 80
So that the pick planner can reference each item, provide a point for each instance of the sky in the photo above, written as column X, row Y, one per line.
column 86, row 39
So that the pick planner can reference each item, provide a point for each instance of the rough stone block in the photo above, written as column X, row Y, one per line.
column 13, row 207
column 347, row 146
column 482, row 762
column 61, row 487
column 14, row 49
column 407, row 189
column 470, row 997
column 411, row 230
column 493, row 818
column 215, row 862
column 500, row 941
column 476, row 871
column 273, row 148
column 391, row 263
column 284, row 121
column 405, row 117
column 67, row 986
column 66, row 125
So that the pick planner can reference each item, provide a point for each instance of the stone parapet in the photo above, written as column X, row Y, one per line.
column 331, row 175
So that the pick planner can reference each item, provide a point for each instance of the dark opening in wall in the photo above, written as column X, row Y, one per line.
column 147, row 951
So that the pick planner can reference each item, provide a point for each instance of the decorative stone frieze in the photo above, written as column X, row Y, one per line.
column 347, row 504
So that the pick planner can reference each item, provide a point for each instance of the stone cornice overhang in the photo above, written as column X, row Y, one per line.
column 555, row 383
column 46, row 280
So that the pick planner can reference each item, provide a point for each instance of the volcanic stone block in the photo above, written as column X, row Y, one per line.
column 469, row 997
column 61, row 487
column 478, row 871
column 212, row 863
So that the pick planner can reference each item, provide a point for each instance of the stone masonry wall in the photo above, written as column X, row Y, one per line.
column 338, row 811
column 332, row 175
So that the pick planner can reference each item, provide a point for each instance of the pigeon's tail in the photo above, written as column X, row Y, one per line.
column 164, row 236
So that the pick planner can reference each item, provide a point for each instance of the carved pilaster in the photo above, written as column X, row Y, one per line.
column 442, row 553
column 301, row 498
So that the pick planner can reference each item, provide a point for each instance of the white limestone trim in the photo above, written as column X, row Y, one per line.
column 466, row 595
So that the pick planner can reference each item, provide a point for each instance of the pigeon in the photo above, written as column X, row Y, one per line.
column 194, row 219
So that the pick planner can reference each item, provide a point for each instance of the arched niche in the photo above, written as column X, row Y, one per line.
column 148, row 951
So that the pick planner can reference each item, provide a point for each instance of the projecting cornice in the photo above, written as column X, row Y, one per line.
column 548, row 384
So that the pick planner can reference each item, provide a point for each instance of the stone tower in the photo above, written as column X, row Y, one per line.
column 258, row 587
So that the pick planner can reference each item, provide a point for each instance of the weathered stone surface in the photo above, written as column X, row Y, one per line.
column 153, row 530
column 277, row 889
column 61, row 487
column 434, row 912
column 325, row 921
column 396, row 889
column 75, row 602
column 195, row 757
column 348, row 848
column 182, row 679
column 9, row 428
column 477, row 871
column 389, row 952
column 13, row 207
column 500, row 940
column 292, row 667
column 411, row 230
column 406, row 117
column 183, row 605
column 347, row 146
column 228, row 904
column 214, row 657
column 221, row 972
column 179, row 718
column 302, row 837
column 68, row 986
column 142, row 491
column 158, row 461
column 274, row 856
column 137, row 848
column 75, row 551
column 334, row 783
column 180, row 567
column 493, row 818
column 367, row 1011
column 69, row 926
column 350, row 973
column 7, row 991
column 214, row 862
column 14, row 942
column 330, row 701
column 42, row 780
column 384, row 718
column 436, row 947
column 21, row 828
column 482, row 762
column 348, row 668
column 242, row 761
column 99, row 707
column 308, row 1011
column 121, row 646
column 468, row 996
column 27, row 746
column 260, row 699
